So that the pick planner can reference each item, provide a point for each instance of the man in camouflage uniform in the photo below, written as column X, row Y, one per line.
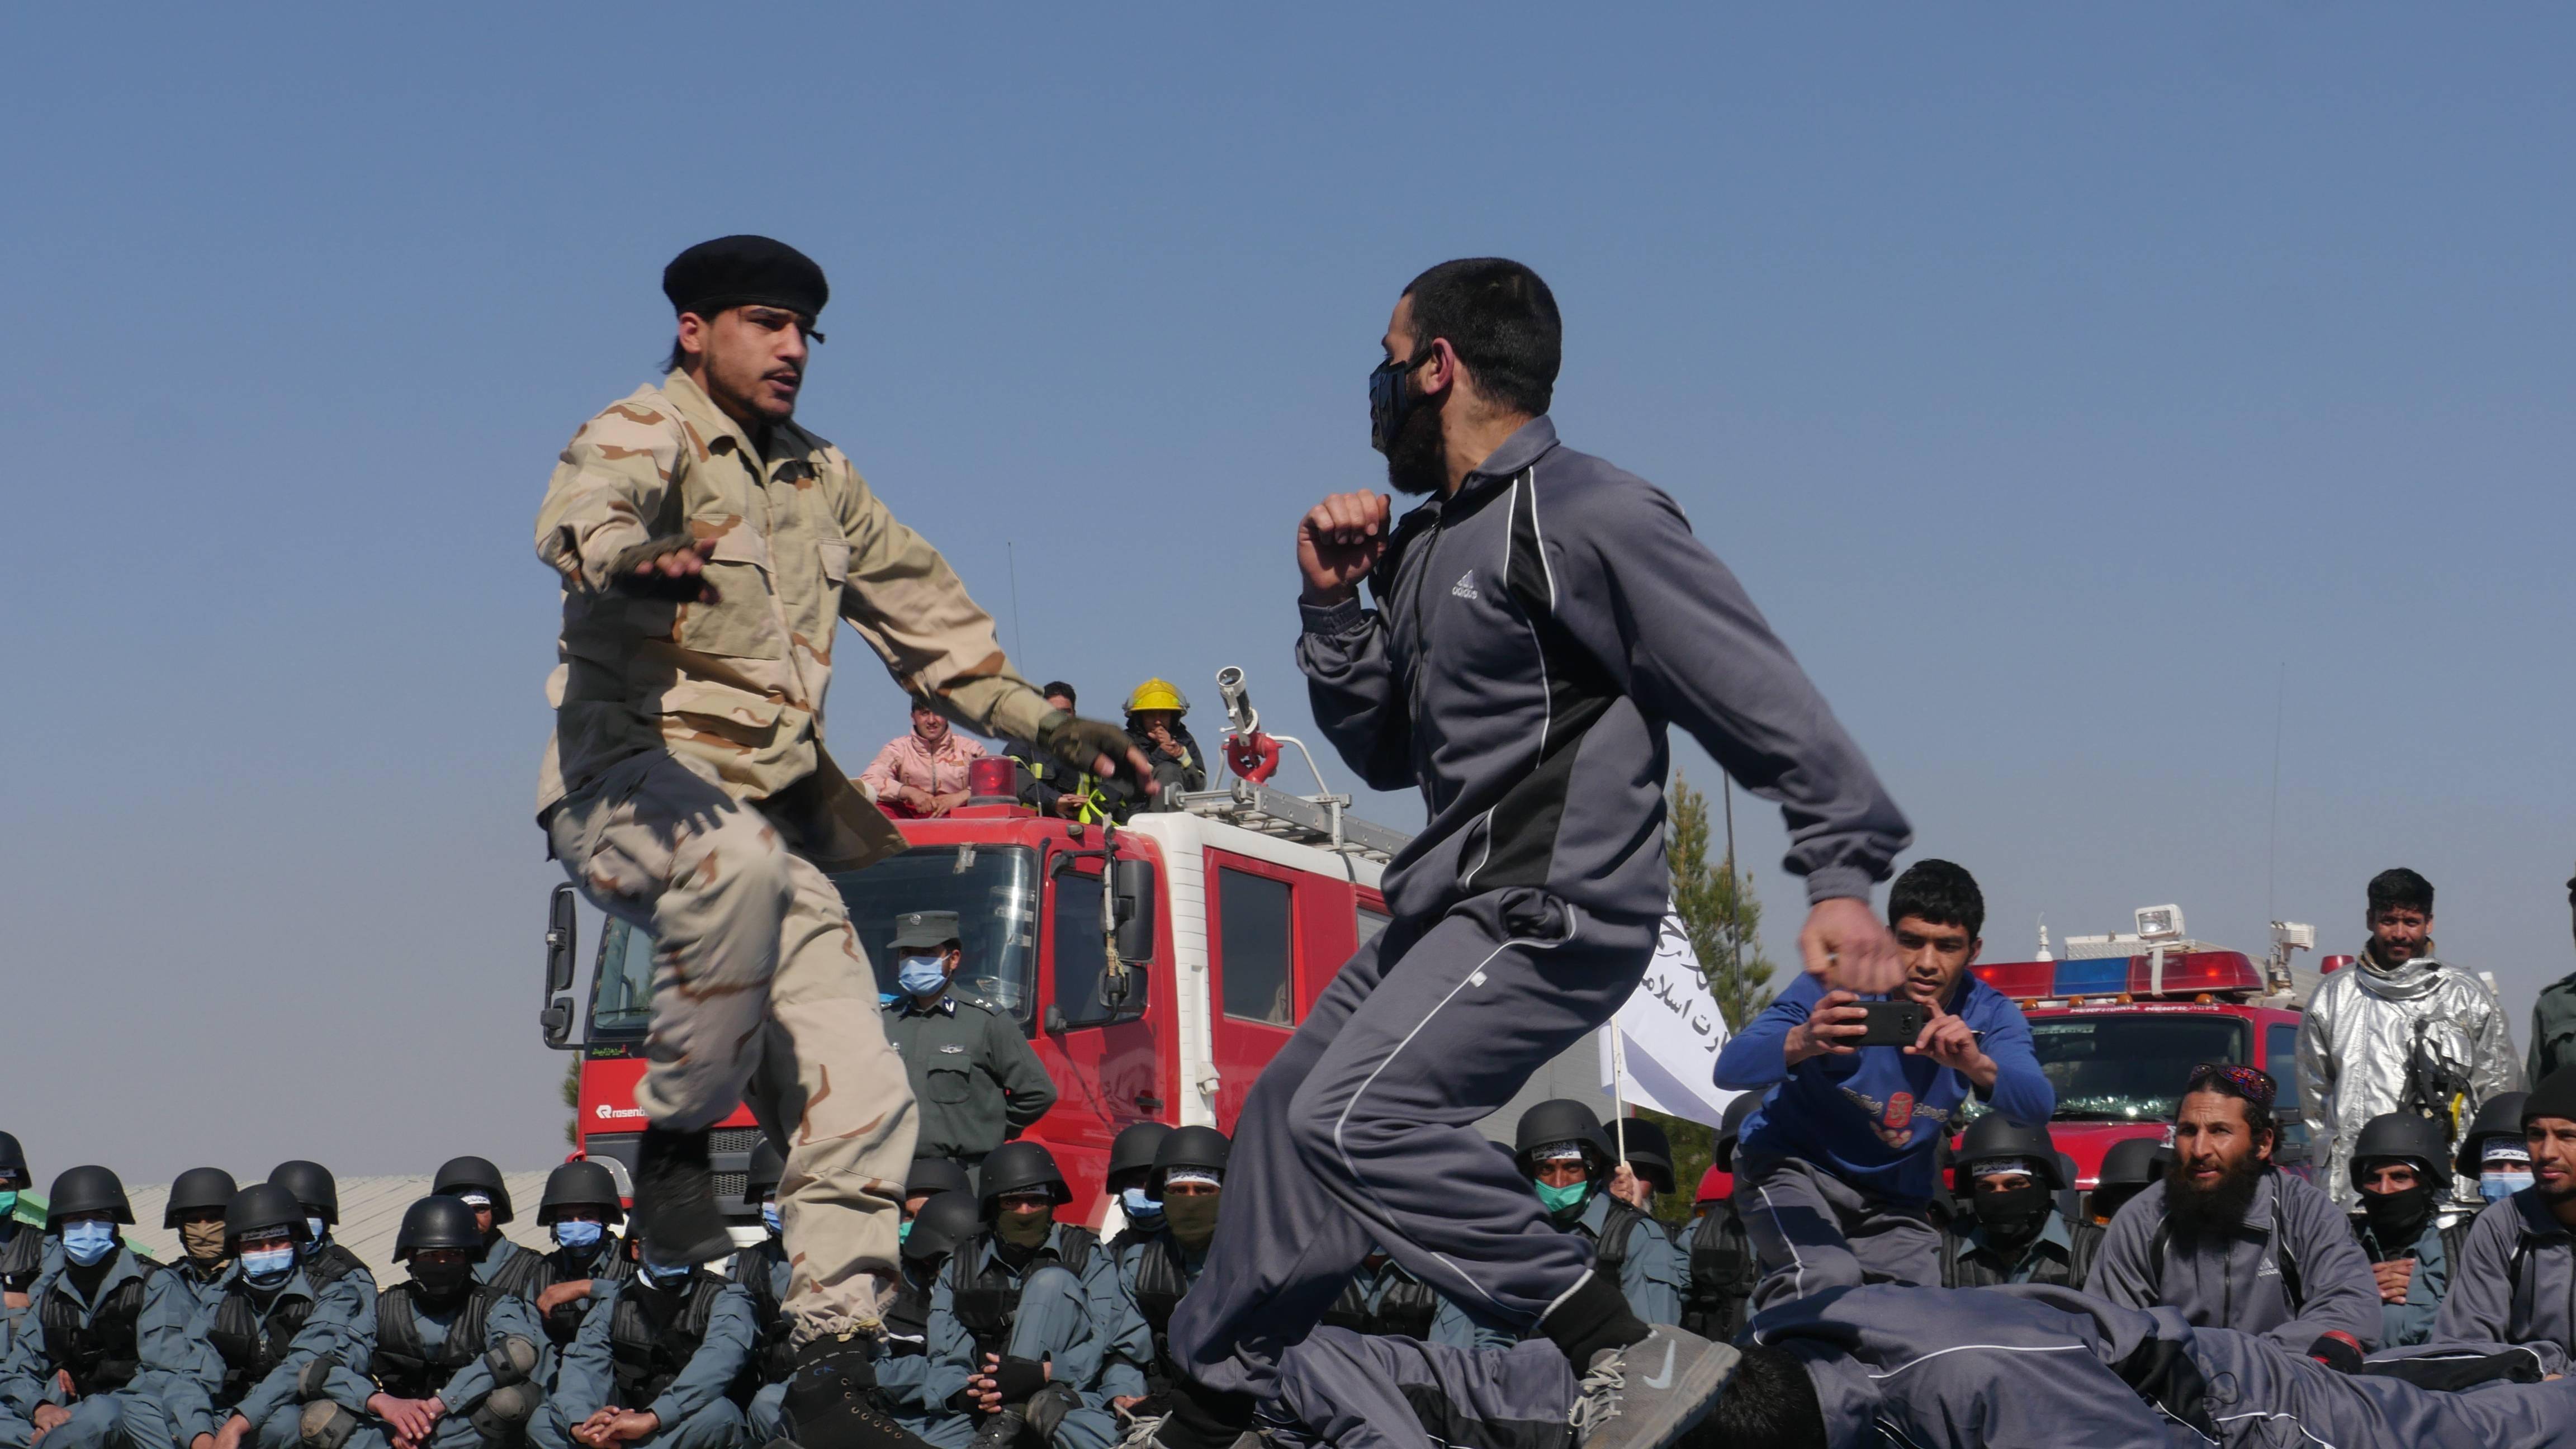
column 707, row 547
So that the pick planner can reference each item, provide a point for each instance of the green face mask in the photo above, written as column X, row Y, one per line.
column 1022, row 1230
column 1191, row 1219
column 1560, row 1201
column 8, row 1201
column 904, row 1234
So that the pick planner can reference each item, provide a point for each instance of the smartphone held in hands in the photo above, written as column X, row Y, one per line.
column 1890, row 1023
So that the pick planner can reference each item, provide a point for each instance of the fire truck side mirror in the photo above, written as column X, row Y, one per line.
column 1132, row 882
column 563, row 939
column 2292, row 1148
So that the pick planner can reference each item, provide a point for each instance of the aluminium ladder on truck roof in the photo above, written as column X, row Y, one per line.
column 1322, row 821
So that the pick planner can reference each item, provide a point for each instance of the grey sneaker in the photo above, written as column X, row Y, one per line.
column 1648, row 1394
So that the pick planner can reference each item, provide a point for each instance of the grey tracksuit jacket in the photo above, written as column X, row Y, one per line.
column 2245, row 1289
column 2516, row 1278
column 1532, row 636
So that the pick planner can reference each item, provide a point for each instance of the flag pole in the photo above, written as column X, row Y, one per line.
column 1619, row 1088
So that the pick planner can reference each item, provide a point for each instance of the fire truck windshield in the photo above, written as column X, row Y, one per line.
column 993, row 891
column 2121, row 1067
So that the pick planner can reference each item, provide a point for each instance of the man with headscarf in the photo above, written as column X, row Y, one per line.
column 2400, row 1030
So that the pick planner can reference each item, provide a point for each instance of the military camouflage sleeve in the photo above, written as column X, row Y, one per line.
column 911, row 607
column 611, row 489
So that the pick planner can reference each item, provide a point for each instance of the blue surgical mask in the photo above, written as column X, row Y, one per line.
column 769, row 1218
column 318, row 1228
column 666, row 1278
column 268, row 1266
column 574, row 1233
column 1139, row 1206
column 922, row 975
column 87, row 1242
column 2497, row 1186
column 1561, row 1200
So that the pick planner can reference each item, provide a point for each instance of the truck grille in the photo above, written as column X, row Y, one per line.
column 733, row 1139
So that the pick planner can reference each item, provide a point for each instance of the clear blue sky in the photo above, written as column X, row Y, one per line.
column 2053, row 375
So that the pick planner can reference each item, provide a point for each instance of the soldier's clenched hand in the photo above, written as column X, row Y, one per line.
column 1338, row 542
column 671, row 567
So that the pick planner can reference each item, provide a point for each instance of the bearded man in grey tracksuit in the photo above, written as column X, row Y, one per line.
column 1539, row 623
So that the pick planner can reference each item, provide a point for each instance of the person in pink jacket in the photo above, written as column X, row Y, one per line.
column 922, row 773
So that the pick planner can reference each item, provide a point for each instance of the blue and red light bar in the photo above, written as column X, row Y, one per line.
column 2186, row 974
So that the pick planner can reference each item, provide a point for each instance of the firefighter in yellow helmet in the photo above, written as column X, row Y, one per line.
column 1154, row 713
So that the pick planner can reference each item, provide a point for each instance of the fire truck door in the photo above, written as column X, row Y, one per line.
column 1278, row 936
column 1103, row 1060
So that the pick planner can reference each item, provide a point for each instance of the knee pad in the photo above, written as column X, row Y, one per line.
column 313, row 1381
column 325, row 1424
column 511, row 1361
column 502, row 1417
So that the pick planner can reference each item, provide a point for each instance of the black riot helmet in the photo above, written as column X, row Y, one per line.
column 1131, row 1154
column 2402, row 1137
column 944, row 1223
column 197, row 1190
column 1731, row 1126
column 460, row 1175
column 1204, row 1148
column 2127, row 1169
column 760, row 1179
column 264, row 1207
column 2499, row 1116
column 91, row 1189
column 312, row 1185
column 1650, row 1152
column 1991, row 1137
column 1560, row 1120
column 13, row 1163
column 437, row 1221
column 931, row 1176
column 1022, row 1166
column 578, row 1184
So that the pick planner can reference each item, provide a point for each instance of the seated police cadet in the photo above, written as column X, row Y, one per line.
column 2515, row 1281
column 762, row 1269
column 1134, row 1210
column 1835, row 1174
column 1384, row 1300
column 2232, row 1242
column 2399, row 1167
column 656, row 1363
column 503, row 1263
column 455, row 1359
column 276, row 1332
column 903, row 1373
column 1722, row 1266
column 23, row 1245
column 2494, row 1161
column 974, row 1078
column 195, row 1211
column 928, row 1178
column 2012, row 1232
column 1188, row 1179
column 579, row 1207
column 109, row 1336
column 2133, row 1165
column 1561, row 1148
column 1021, row 1310
column 324, row 1261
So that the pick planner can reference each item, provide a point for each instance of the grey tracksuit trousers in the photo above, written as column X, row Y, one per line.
column 1361, row 1132
column 1368, row 1391
column 1814, row 1231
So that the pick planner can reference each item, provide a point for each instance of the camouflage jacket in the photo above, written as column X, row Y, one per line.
column 800, row 542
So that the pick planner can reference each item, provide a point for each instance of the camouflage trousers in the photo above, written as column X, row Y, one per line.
column 761, row 993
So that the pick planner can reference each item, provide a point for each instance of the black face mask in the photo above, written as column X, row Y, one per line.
column 442, row 1283
column 1390, row 401
column 2397, row 1218
column 2014, row 1213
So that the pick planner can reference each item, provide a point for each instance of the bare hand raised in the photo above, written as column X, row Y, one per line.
column 1338, row 542
column 1947, row 1040
column 1832, row 1028
column 1847, row 946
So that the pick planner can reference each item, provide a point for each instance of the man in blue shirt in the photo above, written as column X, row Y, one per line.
column 1835, row 1172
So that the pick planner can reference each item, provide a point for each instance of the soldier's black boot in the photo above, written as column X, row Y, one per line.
column 675, row 1196
column 831, row 1400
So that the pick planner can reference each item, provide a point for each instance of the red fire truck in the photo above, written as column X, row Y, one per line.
column 2120, row 1023
column 1155, row 966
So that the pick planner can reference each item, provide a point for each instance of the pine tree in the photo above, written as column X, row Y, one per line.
column 1718, row 911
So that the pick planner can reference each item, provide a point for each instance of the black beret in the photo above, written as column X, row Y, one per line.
column 744, row 271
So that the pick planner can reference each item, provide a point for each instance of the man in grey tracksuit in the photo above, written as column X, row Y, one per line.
column 2293, row 1275
column 1537, row 627
column 1942, row 1368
